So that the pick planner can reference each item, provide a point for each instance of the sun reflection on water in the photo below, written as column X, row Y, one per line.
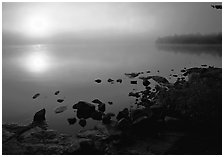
column 37, row 61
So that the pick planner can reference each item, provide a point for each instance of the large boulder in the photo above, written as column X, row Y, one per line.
column 84, row 109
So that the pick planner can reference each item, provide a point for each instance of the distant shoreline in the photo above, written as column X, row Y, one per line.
column 191, row 39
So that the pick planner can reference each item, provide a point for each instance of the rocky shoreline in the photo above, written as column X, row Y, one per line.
column 184, row 117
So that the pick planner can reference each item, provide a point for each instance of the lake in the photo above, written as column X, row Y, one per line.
column 72, row 69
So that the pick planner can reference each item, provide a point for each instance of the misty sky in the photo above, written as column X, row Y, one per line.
column 49, row 21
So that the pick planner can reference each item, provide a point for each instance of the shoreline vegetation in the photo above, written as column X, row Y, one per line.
column 184, row 117
column 196, row 39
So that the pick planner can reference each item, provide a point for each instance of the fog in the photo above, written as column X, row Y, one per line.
column 28, row 23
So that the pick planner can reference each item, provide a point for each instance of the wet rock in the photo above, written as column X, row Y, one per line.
column 102, row 107
column 134, row 82
column 96, row 115
column 36, row 95
column 60, row 109
column 84, row 109
column 123, row 114
column 97, row 101
column 72, row 121
column 39, row 116
column 119, row 80
column 98, row 81
column 82, row 122
column 60, row 100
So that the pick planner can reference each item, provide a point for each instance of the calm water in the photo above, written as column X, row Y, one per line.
column 72, row 69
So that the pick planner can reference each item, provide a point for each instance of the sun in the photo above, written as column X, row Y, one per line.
column 37, row 25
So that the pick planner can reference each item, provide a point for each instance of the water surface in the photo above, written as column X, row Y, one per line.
column 72, row 69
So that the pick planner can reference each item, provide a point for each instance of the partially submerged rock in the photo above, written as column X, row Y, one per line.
column 84, row 109
column 82, row 122
column 102, row 107
column 60, row 109
column 119, row 80
column 36, row 95
column 134, row 82
column 98, row 81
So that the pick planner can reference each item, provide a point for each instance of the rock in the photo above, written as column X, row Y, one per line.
column 57, row 92
column 39, row 116
column 106, row 119
column 148, row 71
column 72, row 121
column 158, row 79
column 102, row 107
column 146, row 83
column 110, row 80
column 60, row 109
column 123, row 114
column 137, row 95
column 134, row 82
column 119, row 80
column 82, row 122
column 60, row 100
column 36, row 95
column 84, row 109
column 110, row 114
column 98, row 81
column 204, row 65
column 110, row 102
column 140, row 114
column 97, row 101
column 96, row 115
column 183, row 70
column 174, row 75
column 123, row 123
column 132, row 75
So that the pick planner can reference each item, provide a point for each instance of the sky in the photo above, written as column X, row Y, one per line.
column 51, row 22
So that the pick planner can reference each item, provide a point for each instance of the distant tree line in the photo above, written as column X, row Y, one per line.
column 191, row 39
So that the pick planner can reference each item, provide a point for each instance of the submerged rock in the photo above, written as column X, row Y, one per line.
column 72, row 121
column 82, row 122
column 145, row 83
column 60, row 109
